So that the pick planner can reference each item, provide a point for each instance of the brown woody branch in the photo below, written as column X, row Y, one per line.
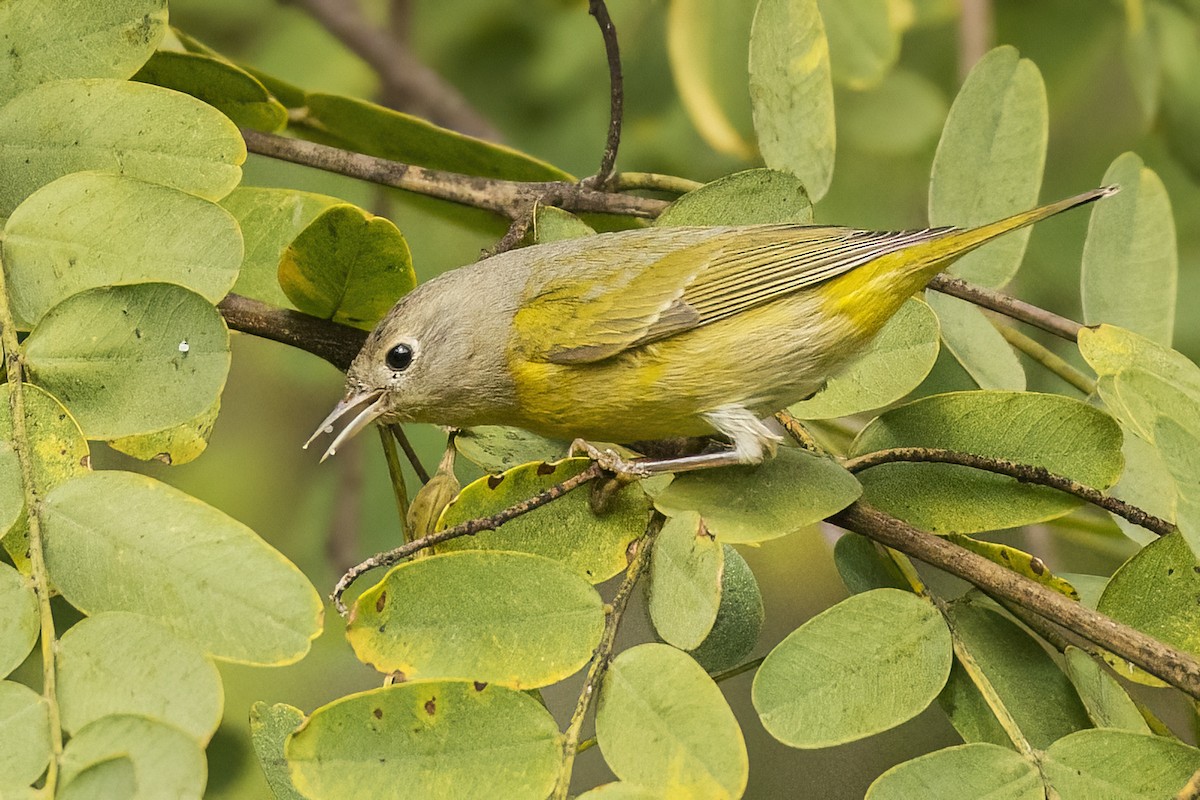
column 1007, row 305
column 337, row 344
column 612, row 52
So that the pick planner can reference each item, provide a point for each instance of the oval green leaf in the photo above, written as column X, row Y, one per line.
column 92, row 229
column 865, row 665
column 864, row 40
column 969, row 770
column 19, row 624
column 894, row 364
column 115, row 126
column 1118, row 765
column 662, row 723
column 131, row 359
column 567, row 530
column 753, row 504
column 114, row 778
column 751, row 197
column 224, row 86
column 739, row 621
column 976, row 344
column 116, row 541
column 166, row 761
column 990, row 158
column 497, row 448
column 44, row 40
column 862, row 567
column 270, row 726
column 791, row 90
column 122, row 663
column 1065, row 436
column 552, row 224
column 1106, row 701
column 1130, row 259
column 24, row 734
column 348, row 266
column 178, row 444
column 900, row 116
column 427, row 740
column 520, row 620
column 686, row 565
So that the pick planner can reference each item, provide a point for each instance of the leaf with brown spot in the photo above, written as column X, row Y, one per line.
column 1018, row 561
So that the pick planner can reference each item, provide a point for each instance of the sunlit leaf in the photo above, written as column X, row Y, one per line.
column 1118, row 764
column 969, row 770
column 234, row 92
column 270, row 727
column 686, row 567
column 166, row 761
column 178, row 444
column 24, row 734
column 113, row 778
column 1016, row 560
column 19, row 623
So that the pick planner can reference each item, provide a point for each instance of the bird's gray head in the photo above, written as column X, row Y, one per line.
column 435, row 357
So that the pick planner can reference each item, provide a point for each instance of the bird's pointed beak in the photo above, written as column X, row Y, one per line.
column 371, row 407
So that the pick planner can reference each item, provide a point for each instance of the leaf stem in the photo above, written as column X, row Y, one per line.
column 612, row 52
column 1007, row 305
column 652, row 181
column 733, row 672
column 39, row 575
column 396, row 474
column 603, row 655
column 1047, row 358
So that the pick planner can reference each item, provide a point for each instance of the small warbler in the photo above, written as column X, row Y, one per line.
column 649, row 334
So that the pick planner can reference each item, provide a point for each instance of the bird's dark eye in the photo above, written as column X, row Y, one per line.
column 399, row 357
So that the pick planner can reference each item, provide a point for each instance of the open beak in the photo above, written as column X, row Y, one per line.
column 371, row 407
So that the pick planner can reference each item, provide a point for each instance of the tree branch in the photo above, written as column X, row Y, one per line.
column 612, row 52
column 1025, row 473
column 337, row 344
column 1007, row 305
column 1176, row 668
column 508, row 199
column 408, row 84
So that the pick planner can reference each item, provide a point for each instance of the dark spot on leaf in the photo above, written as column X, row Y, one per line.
column 1037, row 565
column 480, row 686
column 545, row 469
column 163, row 457
column 1170, row 570
column 431, row 706
column 86, row 462
column 378, row 713
column 1004, row 554
column 382, row 628
column 399, row 677
column 495, row 480
column 381, row 602
column 1196, row 570
column 702, row 530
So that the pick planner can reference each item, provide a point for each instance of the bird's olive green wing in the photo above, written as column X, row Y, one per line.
column 572, row 321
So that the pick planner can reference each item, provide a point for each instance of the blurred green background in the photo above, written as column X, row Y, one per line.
column 536, row 69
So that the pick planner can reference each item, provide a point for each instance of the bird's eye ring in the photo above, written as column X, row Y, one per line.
column 399, row 357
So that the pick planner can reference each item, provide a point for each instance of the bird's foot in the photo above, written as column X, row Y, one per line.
column 610, row 461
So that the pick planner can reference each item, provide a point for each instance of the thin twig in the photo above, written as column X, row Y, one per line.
column 508, row 199
column 603, row 654
column 516, row 232
column 1025, row 473
column 612, row 52
column 1164, row 662
column 1046, row 357
column 337, row 344
column 974, row 34
column 408, row 84
column 468, row 528
column 410, row 453
column 800, row 434
column 396, row 476
column 733, row 672
column 1007, row 305
column 652, row 181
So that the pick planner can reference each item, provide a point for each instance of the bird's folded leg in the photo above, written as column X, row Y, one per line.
column 609, row 460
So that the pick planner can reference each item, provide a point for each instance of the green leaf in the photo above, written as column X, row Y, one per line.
column 864, row 40
column 739, row 621
column 621, row 790
column 1016, row 560
column 44, row 40
column 1106, row 701
column 1065, row 436
column 175, row 445
column 976, row 344
column 1139, row 51
column 865, row 665
column 427, row 740
column 1145, row 483
column 552, row 224
column 707, row 49
column 224, row 86
column 122, row 663
column 751, row 197
column 990, row 158
column 92, row 229
column 894, row 364
column 755, row 503
column 791, row 90
column 900, row 116
column 131, row 359
column 128, row 128
column 1130, row 261
column 496, row 448
column 166, row 761
column 113, row 778
column 382, row 132
column 662, row 723
column 520, row 620
column 270, row 727
column 1035, row 691
column 270, row 220
column 116, row 541
column 969, row 770
column 1155, row 591
column 1176, row 39
column 12, row 495
column 863, row 567
column 19, row 625
column 24, row 734
column 686, row 567
column 566, row 530
column 1118, row 765
column 348, row 266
